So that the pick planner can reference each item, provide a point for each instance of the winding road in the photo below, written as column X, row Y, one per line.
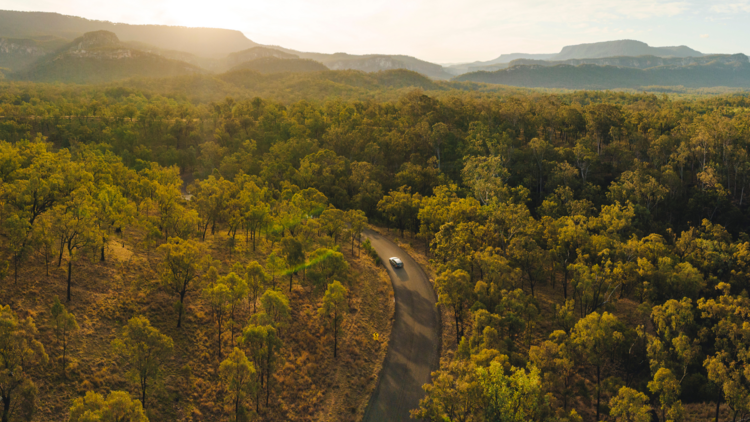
column 413, row 349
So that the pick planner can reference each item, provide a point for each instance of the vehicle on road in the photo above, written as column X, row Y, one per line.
column 396, row 262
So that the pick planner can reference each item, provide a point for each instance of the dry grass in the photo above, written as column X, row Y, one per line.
column 310, row 384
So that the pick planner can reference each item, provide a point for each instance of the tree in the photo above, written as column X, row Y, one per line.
column 596, row 337
column 218, row 297
column 145, row 349
column 334, row 222
column 20, row 351
column 275, row 308
column 455, row 394
column 238, row 290
column 667, row 387
column 256, row 278
column 401, row 207
column 526, row 254
column 275, row 266
column 238, row 375
column 630, row 406
column 210, row 198
column 486, row 176
column 264, row 346
column 112, row 212
column 327, row 264
column 117, row 407
column 334, row 309
column 517, row 397
column 182, row 268
column 556, row 365
column 455, row 291
column 17, row 231
column 294, row 255
column 728, row 367
column 76, row 227
column 357, row 221
column 64, row 324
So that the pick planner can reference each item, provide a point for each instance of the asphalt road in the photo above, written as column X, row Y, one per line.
column 413, row 349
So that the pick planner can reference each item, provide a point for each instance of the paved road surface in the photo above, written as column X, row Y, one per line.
column 413, row 349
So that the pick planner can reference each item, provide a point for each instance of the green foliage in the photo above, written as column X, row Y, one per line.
column 630, row 406
column 20, row 352
column 65, row 325
column 118, row 406
column 183, row 266
column 334, row 308
column 238, row 375
column 145, row 350
column 515, row 397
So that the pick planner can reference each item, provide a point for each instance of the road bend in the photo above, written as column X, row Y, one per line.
column 413, row 349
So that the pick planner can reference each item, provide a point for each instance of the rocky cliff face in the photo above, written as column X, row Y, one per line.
column 642, row 62
column 22, row 47
column 96, row 39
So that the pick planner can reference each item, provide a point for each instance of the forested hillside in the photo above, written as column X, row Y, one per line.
column 591, row 76
column 590, row 250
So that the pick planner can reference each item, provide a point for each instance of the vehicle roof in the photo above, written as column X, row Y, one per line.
column 395, row 258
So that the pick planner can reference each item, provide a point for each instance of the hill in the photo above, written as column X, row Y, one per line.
column 207, row 42
column 622, row 48
column 588, row 76
column 100, row 57
column 495, row 64
column 277, row 65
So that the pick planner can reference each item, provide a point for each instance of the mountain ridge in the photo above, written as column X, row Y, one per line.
column 208, row 42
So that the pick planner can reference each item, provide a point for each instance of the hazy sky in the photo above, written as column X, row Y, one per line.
column 442, row 31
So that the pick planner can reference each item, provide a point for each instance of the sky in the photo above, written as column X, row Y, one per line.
column 440, row 31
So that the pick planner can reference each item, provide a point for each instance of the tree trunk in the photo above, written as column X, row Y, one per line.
column 291, row 277
column 143, row 393
column 268, row 376
column 335, row 337
column 718, row 405
column 59, row 258
column 101, row 258
column 598, row 390
column 219, row 338
column 65, row 348
column 458, row 332
column 182, row 305
column 70, row 270
column 6, row 407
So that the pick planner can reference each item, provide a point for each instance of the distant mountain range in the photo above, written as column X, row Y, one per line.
column 621, row 48
column 728, row 71
column 55, row 48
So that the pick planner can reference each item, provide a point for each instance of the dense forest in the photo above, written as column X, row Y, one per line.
column 590, row 250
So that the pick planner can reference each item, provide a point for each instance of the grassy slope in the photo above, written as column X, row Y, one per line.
column 311, row 385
